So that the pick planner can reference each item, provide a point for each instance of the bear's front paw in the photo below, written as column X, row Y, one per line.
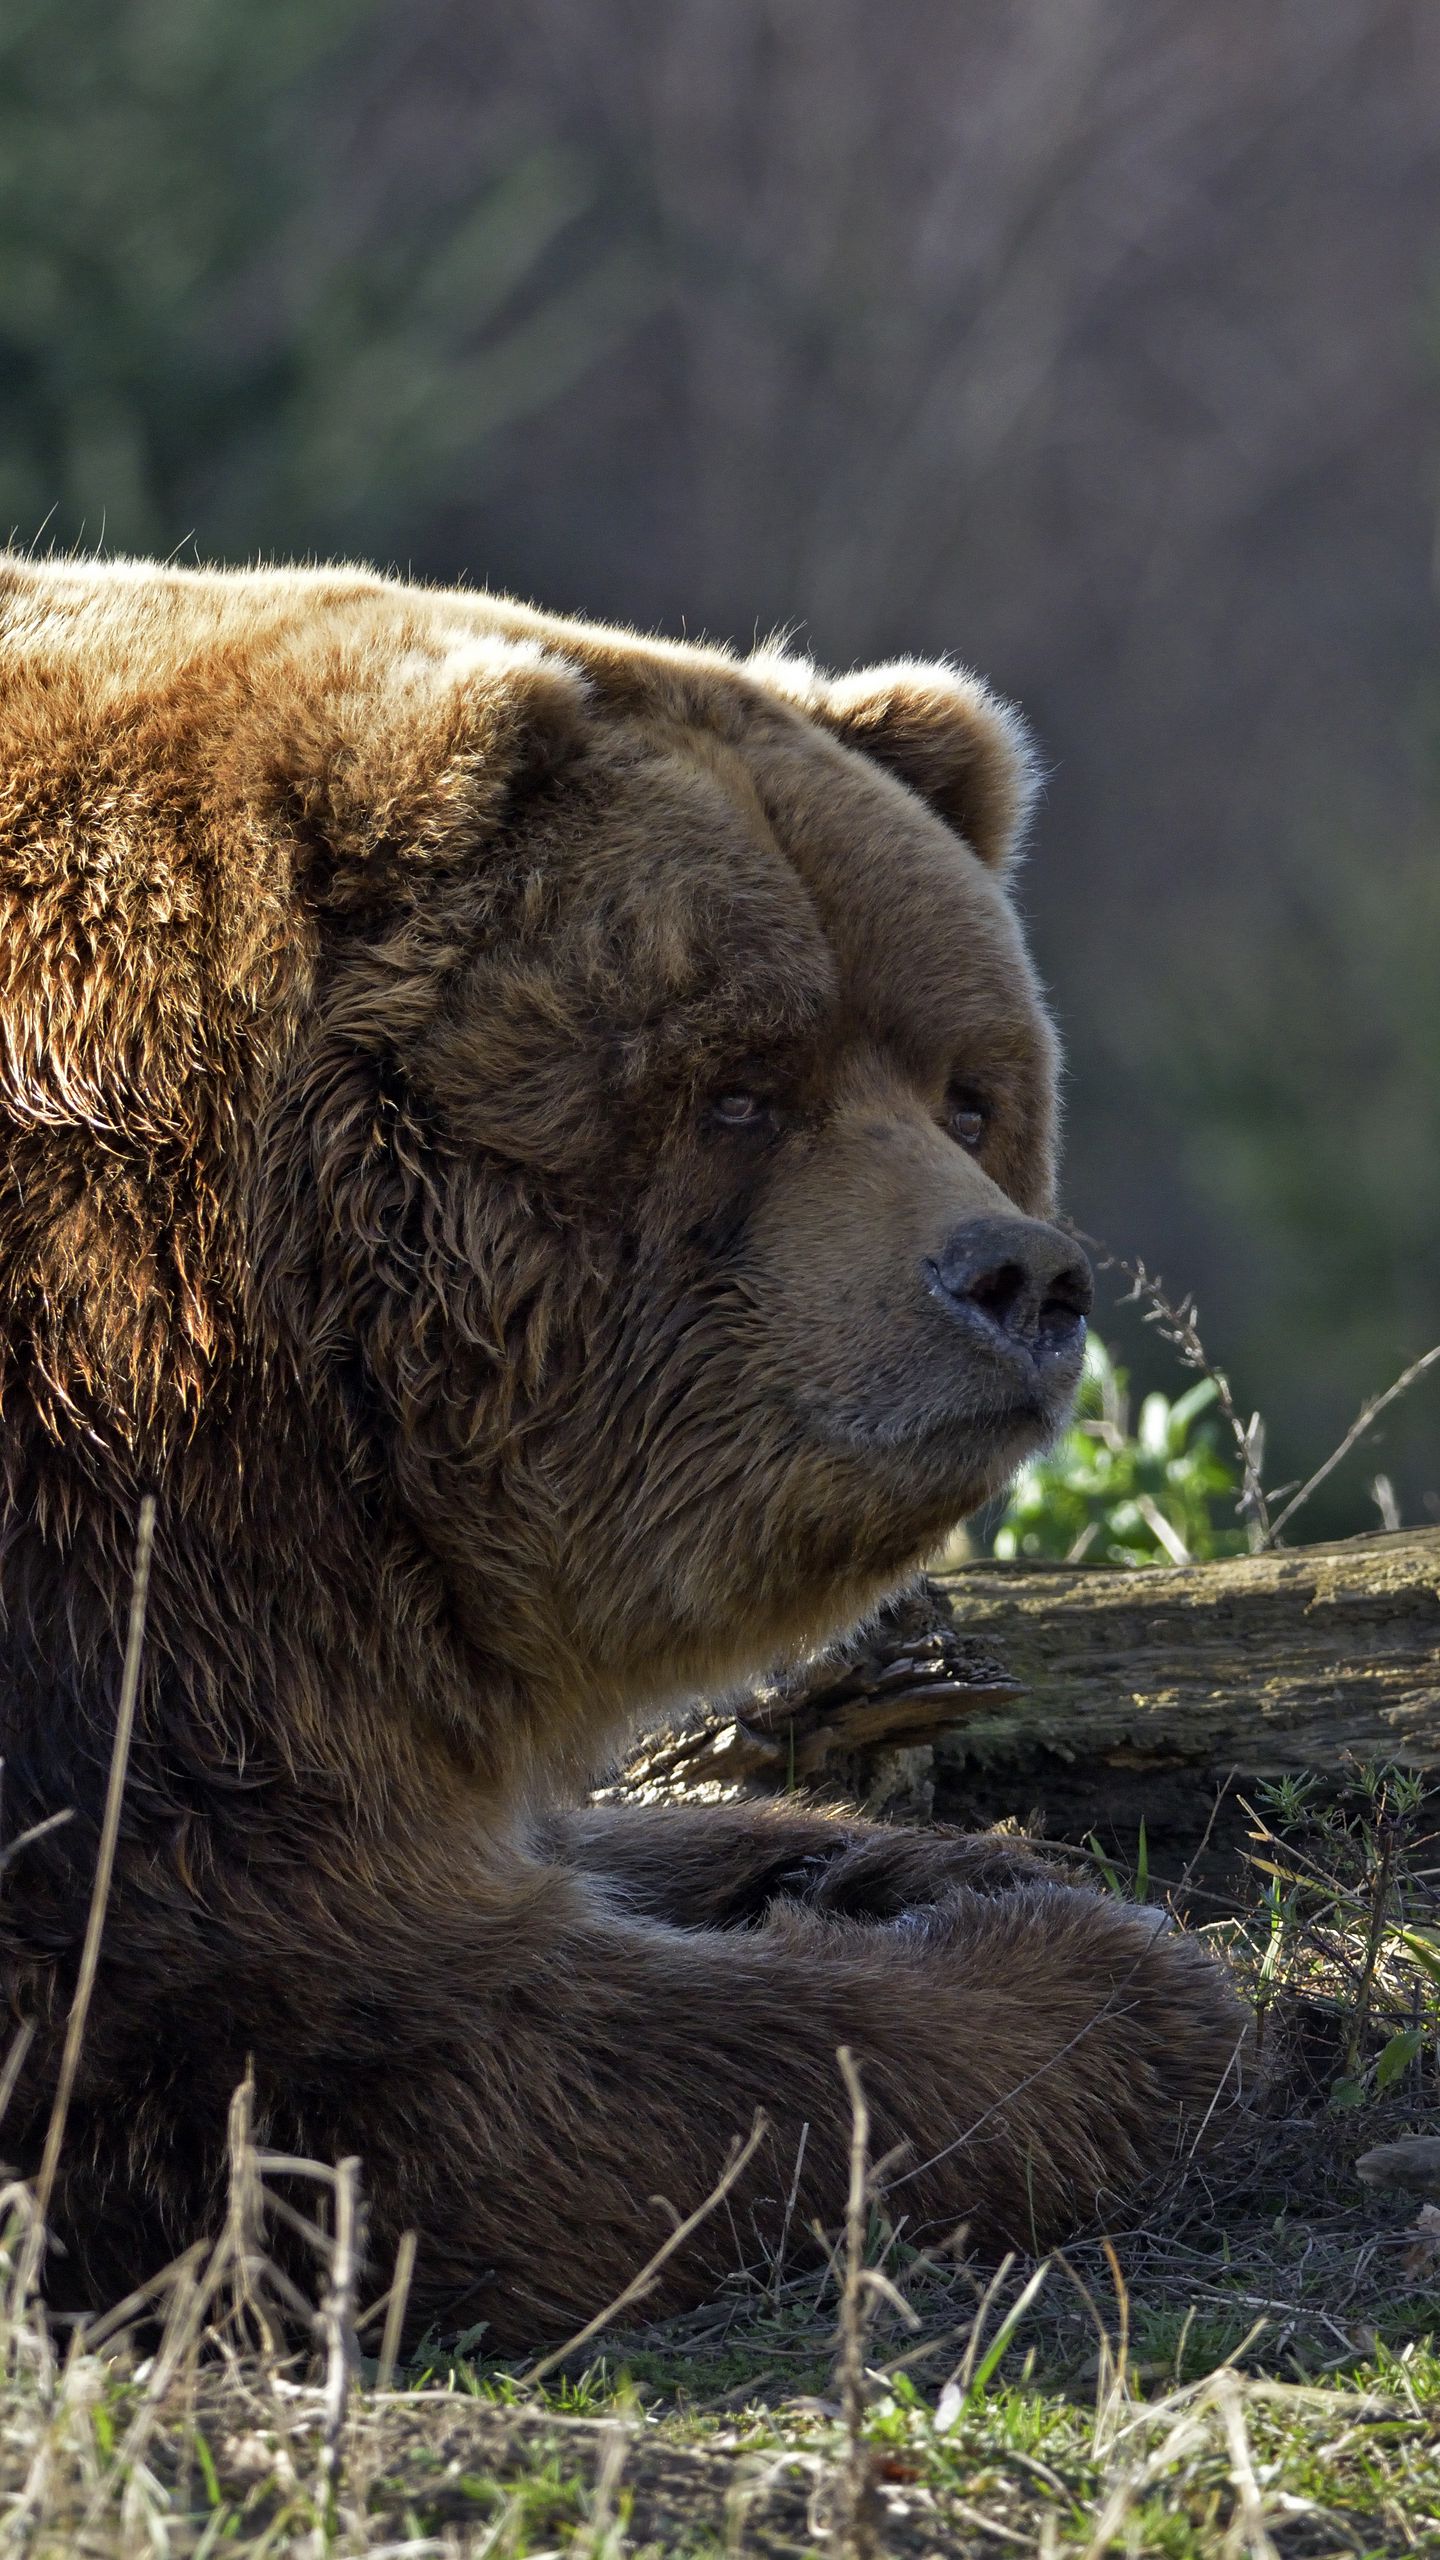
column 887, row 1875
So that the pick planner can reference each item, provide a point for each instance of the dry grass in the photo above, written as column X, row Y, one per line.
column 1240, row 2379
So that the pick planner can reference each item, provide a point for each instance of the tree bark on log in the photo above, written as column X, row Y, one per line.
column 1163, row 1697
column 1301, row 1660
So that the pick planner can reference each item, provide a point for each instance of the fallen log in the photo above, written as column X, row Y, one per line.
column 1091, row 1698
column 1309, row 1659
column 1156, row 1695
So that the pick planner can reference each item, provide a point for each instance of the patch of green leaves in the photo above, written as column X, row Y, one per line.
column 1158, row 1492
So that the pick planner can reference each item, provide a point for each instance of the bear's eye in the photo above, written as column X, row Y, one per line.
column 967, row 1117
column 740, row 1110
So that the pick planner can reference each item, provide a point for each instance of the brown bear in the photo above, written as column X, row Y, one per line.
column 536, row 1145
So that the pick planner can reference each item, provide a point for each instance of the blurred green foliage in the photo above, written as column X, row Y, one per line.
column 1304, row 1078
column 1160, row 1493
column 212, row 325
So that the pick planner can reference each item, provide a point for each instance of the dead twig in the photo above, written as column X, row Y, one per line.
column 241, row 2241
column 337, row 2328
column 395, row 2309
column 99, row 1898
column 784, row 2241
column 740, row 2158
column 1368, row 1413
column 856, row 2506
column 1179, row 1326
column 1249, row 2527
column 855, row 2517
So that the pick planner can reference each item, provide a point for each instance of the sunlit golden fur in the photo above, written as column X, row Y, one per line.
column 375, row 966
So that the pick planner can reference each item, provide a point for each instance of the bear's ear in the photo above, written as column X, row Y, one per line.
column 939, row 729
column 400, row 759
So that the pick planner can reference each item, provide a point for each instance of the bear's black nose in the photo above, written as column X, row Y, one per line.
column 1017, row 1285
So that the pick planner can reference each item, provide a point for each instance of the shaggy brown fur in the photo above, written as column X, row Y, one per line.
column 487, row 1104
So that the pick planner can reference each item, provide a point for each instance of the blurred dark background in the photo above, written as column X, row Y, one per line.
column 1095, row 343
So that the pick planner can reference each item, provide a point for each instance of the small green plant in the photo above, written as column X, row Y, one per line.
column 1162, row 1492
column 1350, row 1913
column 1134, row 1887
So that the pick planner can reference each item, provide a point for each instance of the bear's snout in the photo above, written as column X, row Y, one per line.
column 1021, row 1291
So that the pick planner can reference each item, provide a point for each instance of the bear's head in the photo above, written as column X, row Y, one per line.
column 678, row 1122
